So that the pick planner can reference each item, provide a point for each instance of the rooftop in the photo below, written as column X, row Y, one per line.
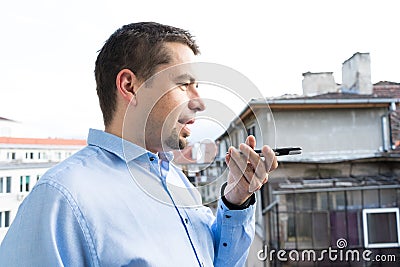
column 342, row 96
column 334, row 184
column 42, row 141
column 387, row 89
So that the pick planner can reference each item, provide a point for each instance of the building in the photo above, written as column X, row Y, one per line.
column 345, row 186
column 22, row 162
column 391, row 89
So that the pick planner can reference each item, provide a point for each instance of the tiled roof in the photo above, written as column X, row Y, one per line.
column 387, row 89
column 381, row 90
column 42, row 141
column 386, row 83
column 340, row 96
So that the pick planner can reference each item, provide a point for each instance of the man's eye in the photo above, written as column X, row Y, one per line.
column 184, row 86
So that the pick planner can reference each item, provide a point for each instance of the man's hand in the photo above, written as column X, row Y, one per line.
column 247, row 170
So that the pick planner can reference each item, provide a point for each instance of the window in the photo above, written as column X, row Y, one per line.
column 388, row 198
column 303, row 230
column 11, row 155
column 7, row 218
column 337, row 200
column 381, row 228
column 4, row 219
column 320, row 224
column 354, row 200
column 304, row 217
column 21, row 183
column 27, row 180
column 321, row 202
column 304, row 201
column 371, row 198
column 251, row 131
column 289, row 220
column 5, row 181
column 8, row 185
column 24, row 183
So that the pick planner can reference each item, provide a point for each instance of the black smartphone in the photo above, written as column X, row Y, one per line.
column 282, row 151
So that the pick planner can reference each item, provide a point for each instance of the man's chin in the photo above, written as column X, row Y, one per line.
column 182, row 143
column 174, row 143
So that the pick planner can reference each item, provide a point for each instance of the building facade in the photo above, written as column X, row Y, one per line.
column 348, row 169
column 342, row 193
column 22, row 162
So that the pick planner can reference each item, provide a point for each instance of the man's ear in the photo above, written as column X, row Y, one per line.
column 127, row 85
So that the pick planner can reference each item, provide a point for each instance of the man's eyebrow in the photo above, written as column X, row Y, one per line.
column 185, row 77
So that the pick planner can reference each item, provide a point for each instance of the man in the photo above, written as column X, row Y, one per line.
column 116, row 202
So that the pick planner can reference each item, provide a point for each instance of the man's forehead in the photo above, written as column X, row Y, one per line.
column 186, row 76
column 177, row 73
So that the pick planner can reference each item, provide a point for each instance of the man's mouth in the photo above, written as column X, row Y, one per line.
column 185, row 131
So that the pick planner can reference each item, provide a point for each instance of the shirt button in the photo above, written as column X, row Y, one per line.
column 151, row 158
column 228, row 216
column 224, row 244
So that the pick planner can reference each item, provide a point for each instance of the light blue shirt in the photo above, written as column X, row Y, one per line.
column 111, row 204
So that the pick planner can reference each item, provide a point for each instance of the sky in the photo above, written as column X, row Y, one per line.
column 48, row 48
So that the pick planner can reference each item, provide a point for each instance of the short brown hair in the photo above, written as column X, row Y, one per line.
column 138, row 47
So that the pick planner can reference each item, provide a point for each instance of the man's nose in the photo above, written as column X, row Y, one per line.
column 196, row 103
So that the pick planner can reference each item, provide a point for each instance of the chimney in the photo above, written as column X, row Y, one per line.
column 318, row 83
column 356, row 74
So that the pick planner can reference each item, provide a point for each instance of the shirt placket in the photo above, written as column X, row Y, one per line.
column 162, row 168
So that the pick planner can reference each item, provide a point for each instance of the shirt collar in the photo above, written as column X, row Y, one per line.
column 124, row 149
column 167, row 156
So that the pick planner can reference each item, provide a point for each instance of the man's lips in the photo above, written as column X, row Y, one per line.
column 186, row 121
column 185, row 130
column 191, row 121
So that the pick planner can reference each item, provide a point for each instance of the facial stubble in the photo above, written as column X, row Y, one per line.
column 174, row 141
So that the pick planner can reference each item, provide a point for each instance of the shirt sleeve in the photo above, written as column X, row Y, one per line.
column 233, row 234
column 250, row 201
column 47, row 231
